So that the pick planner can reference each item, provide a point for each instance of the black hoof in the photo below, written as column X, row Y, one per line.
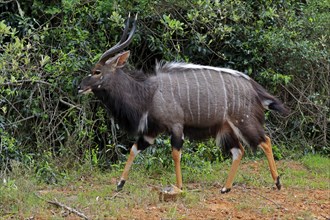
column 224, row 190
column 120, row 185
column 278, row 183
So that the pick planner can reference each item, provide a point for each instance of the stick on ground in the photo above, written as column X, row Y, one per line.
column 80, row 214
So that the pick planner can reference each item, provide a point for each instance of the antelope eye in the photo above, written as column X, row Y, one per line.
column 97, row 72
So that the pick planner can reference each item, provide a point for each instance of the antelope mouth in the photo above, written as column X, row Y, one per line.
column 84, row 91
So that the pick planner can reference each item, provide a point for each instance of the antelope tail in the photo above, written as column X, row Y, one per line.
column 268, row 101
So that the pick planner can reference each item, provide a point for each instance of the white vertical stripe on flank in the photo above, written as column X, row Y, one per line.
column 236, row 93
column 213, row 90
column 241, row 99
column 208, row 95
column 244, row 101
column 233, row 94
column 188, row 96
column 248, row 97
column 162, row 89
column 179, row 89
column 198, row 97
column 225, row 93
column 171, row 88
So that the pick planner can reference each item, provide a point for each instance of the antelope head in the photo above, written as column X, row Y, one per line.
column 108, row 64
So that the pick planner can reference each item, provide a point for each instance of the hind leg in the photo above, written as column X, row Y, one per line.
column 267, row 148
column 177, row 142
column 237, row 156
column 176, row 154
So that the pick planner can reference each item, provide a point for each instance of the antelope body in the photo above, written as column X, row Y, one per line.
column 183, row 100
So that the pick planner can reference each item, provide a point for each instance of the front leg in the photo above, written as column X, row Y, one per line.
column 142, row 143
column 133, row 152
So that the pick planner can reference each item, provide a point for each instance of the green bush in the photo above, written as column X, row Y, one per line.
column 48, row 46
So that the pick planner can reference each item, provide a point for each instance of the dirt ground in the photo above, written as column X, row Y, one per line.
column 241, row 203
column 248, row 203
column 201, row 202
column 245, row 202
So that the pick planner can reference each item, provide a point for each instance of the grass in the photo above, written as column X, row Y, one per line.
column 313, row 172
column 92, row 191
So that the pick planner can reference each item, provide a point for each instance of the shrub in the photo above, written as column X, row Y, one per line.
column 47, row 46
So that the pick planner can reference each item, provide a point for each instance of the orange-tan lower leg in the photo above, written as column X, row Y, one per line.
column 176, row 154
column 237, row 156
column 267, row 148
column 124, row 175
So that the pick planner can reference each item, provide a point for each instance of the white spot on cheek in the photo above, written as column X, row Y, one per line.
column 236, row 153
column 99, row 86
column 101, row 77
column 89, row 74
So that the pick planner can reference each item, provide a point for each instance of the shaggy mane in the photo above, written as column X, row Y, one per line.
column 138, row 75
column 169, row 67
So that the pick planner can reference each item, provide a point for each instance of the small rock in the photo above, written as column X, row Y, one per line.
column 170, row 193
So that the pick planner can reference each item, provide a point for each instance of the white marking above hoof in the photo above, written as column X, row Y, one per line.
column 225, row 190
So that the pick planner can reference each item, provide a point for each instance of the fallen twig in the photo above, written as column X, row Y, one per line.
column 114, row 196
column 80, row 214
column 69, row 209
column 325, row 217
column 264, row 197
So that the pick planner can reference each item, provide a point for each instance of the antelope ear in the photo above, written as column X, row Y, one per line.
column 119, row 60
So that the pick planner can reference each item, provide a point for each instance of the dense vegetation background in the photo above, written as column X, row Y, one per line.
column 46, row 47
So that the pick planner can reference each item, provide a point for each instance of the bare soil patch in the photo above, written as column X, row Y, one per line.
column 198, row 201
column 245, row 203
